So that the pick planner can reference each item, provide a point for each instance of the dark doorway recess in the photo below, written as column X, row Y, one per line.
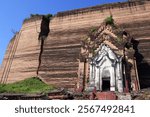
column 106, row 84
column 142, row 54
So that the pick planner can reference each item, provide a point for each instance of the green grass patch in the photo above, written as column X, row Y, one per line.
column 31, row 85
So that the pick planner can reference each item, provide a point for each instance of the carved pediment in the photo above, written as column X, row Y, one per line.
column 111, row 35
column 105, row 54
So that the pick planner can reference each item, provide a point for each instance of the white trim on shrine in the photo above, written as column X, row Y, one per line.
column 106, row 65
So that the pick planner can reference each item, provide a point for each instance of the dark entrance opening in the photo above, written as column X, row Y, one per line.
column 106, row 84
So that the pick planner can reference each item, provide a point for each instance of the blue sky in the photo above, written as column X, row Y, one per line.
column 13, row 12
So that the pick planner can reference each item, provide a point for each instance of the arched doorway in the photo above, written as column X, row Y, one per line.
column 106, row 80
column 106, row 84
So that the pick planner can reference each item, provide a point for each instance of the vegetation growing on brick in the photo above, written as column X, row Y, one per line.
column 109, row 20
column 96, row 36
column 47, row 16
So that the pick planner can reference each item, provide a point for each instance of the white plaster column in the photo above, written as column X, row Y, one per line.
column 120, row 80
column 97, row 78
column 100, row 79
column 112, row 79
column 117, row 70
column 92, row 72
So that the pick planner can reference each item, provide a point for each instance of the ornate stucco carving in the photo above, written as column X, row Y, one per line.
column 107, row 49
column 106, row 64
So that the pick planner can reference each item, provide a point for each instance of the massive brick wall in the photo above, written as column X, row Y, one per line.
column 61, row 48
column 4, row 70
column 21, row 59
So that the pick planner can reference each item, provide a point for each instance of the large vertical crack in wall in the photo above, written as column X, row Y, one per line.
column 42, row 36
column 55, row 55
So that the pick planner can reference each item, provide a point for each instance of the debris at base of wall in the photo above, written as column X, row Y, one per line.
column 124, row 96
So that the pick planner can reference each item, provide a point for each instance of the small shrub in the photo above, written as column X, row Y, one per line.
column 33, row 15
column 48, row 16
column 109, row 20
column 93, row 30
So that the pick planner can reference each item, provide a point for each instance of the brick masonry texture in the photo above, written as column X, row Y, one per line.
column 61, row 48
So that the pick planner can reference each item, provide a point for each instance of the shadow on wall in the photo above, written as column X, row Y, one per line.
column 142, row 66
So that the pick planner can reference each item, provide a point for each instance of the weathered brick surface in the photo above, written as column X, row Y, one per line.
column 59, row 64
column 21, row 58
column 59, row 59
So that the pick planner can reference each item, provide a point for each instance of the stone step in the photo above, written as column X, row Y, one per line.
column 106, row 96
column 124, row 96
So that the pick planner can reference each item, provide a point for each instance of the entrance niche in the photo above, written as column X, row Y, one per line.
column 106, row 84
column 105, row 80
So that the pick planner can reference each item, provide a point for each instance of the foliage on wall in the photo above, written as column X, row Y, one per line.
column 107, row 31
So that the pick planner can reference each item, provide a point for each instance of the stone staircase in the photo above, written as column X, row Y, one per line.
column 106, row 96
column 143, row 62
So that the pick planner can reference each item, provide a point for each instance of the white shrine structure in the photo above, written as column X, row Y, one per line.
column 106, row 70
column 107, row 62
